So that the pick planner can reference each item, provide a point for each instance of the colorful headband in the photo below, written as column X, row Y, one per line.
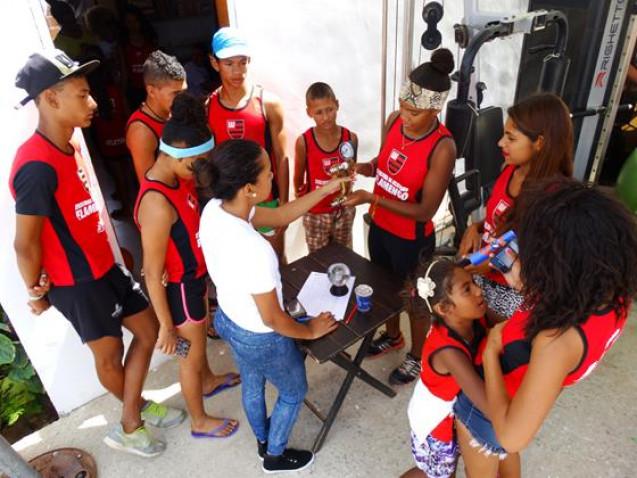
column 426, row 286
column 180, row 153
column 422, row 98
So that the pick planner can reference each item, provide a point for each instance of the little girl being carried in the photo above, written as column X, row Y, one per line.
column 458, row 326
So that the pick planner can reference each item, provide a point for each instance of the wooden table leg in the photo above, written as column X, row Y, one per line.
column 353, row 370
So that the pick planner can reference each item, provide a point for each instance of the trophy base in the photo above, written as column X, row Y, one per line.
column 339, row 291
column 338, row 202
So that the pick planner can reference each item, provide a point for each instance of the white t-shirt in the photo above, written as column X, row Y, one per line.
column 240, row 262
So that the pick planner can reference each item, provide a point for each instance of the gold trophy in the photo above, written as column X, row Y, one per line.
column 343, row 169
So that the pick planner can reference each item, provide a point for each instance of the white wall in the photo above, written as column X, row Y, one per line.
column 64, row 365
column 295, row 43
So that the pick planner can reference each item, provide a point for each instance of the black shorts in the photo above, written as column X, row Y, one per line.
column 188, row 301
column 401, row 256
column 96, row 308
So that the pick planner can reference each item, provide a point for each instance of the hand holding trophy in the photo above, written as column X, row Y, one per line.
column 343, row 169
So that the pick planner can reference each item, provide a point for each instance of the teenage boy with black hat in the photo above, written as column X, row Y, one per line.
column 58, row 229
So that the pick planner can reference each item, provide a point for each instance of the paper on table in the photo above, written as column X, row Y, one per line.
column 316, row 298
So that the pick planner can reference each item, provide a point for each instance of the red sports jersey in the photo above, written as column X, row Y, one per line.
column 318, row 163
column 248, row 122
column 155, row 125
column 135, row 56
column 499, row 203
column 403, row 164
column 184, row 257
column 46, row 181
column 599, row 332
column 110, row 131
column 445, row 386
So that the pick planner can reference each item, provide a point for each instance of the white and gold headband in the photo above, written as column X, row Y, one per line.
column 422, row 98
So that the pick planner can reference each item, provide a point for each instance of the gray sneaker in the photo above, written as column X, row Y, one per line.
column 162, row 416
column 140, row 442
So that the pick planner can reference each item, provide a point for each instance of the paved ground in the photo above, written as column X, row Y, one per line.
column 592, row 431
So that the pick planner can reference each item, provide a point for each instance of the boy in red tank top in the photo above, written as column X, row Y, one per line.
column 240, row 110
column 58, row 229
column 164, row 77
column 316, row 151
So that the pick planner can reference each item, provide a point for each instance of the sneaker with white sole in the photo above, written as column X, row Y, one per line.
column 385, row 344
column 140, row 442
column 162, row 416
column 290, row 460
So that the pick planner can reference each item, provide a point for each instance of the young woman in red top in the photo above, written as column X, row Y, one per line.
column 167, row 213
column 576, row 272
column 412, row 171
column 537, row 143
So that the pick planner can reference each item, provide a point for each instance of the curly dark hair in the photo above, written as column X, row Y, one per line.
column 188, row 122
column 160, row 68
column 578, row 253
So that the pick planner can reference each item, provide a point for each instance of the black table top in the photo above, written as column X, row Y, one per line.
column 386, row 301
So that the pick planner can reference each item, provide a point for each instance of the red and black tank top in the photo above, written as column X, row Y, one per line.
column 403, row 164
column 248, row 122
column 318, row 163
column 441, row 337
column 110, row 131
column 599, row 332
column 498, row 204
column 135, row 56
column 155, row 125
column 184, row 257
column 75, row 246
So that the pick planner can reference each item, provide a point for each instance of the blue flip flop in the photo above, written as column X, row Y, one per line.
column 227, row 383
column 214, row 433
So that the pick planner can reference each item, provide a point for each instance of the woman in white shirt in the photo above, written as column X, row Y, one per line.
column 250, row 317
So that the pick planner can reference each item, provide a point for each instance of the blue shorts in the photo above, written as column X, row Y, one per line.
column 479, row 426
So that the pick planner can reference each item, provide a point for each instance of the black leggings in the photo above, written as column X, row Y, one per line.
column 398, row 255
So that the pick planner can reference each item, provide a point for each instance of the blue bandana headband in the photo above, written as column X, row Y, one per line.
column 180, row 153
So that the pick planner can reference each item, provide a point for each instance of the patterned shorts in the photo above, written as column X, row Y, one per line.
column 501, row 299
column 321, row 229
column 438, row 459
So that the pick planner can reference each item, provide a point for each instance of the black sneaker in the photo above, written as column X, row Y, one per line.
column 262, row 448
column 383, row 344
column 290, row 460
column 407, row 372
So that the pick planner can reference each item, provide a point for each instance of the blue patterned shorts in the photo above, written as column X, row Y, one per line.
column 436, row 458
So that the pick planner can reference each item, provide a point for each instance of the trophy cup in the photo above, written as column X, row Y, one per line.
column 342, row 170
column 338, row 274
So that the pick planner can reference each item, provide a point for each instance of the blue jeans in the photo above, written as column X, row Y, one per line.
column 478, row 425
column 278, row 360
